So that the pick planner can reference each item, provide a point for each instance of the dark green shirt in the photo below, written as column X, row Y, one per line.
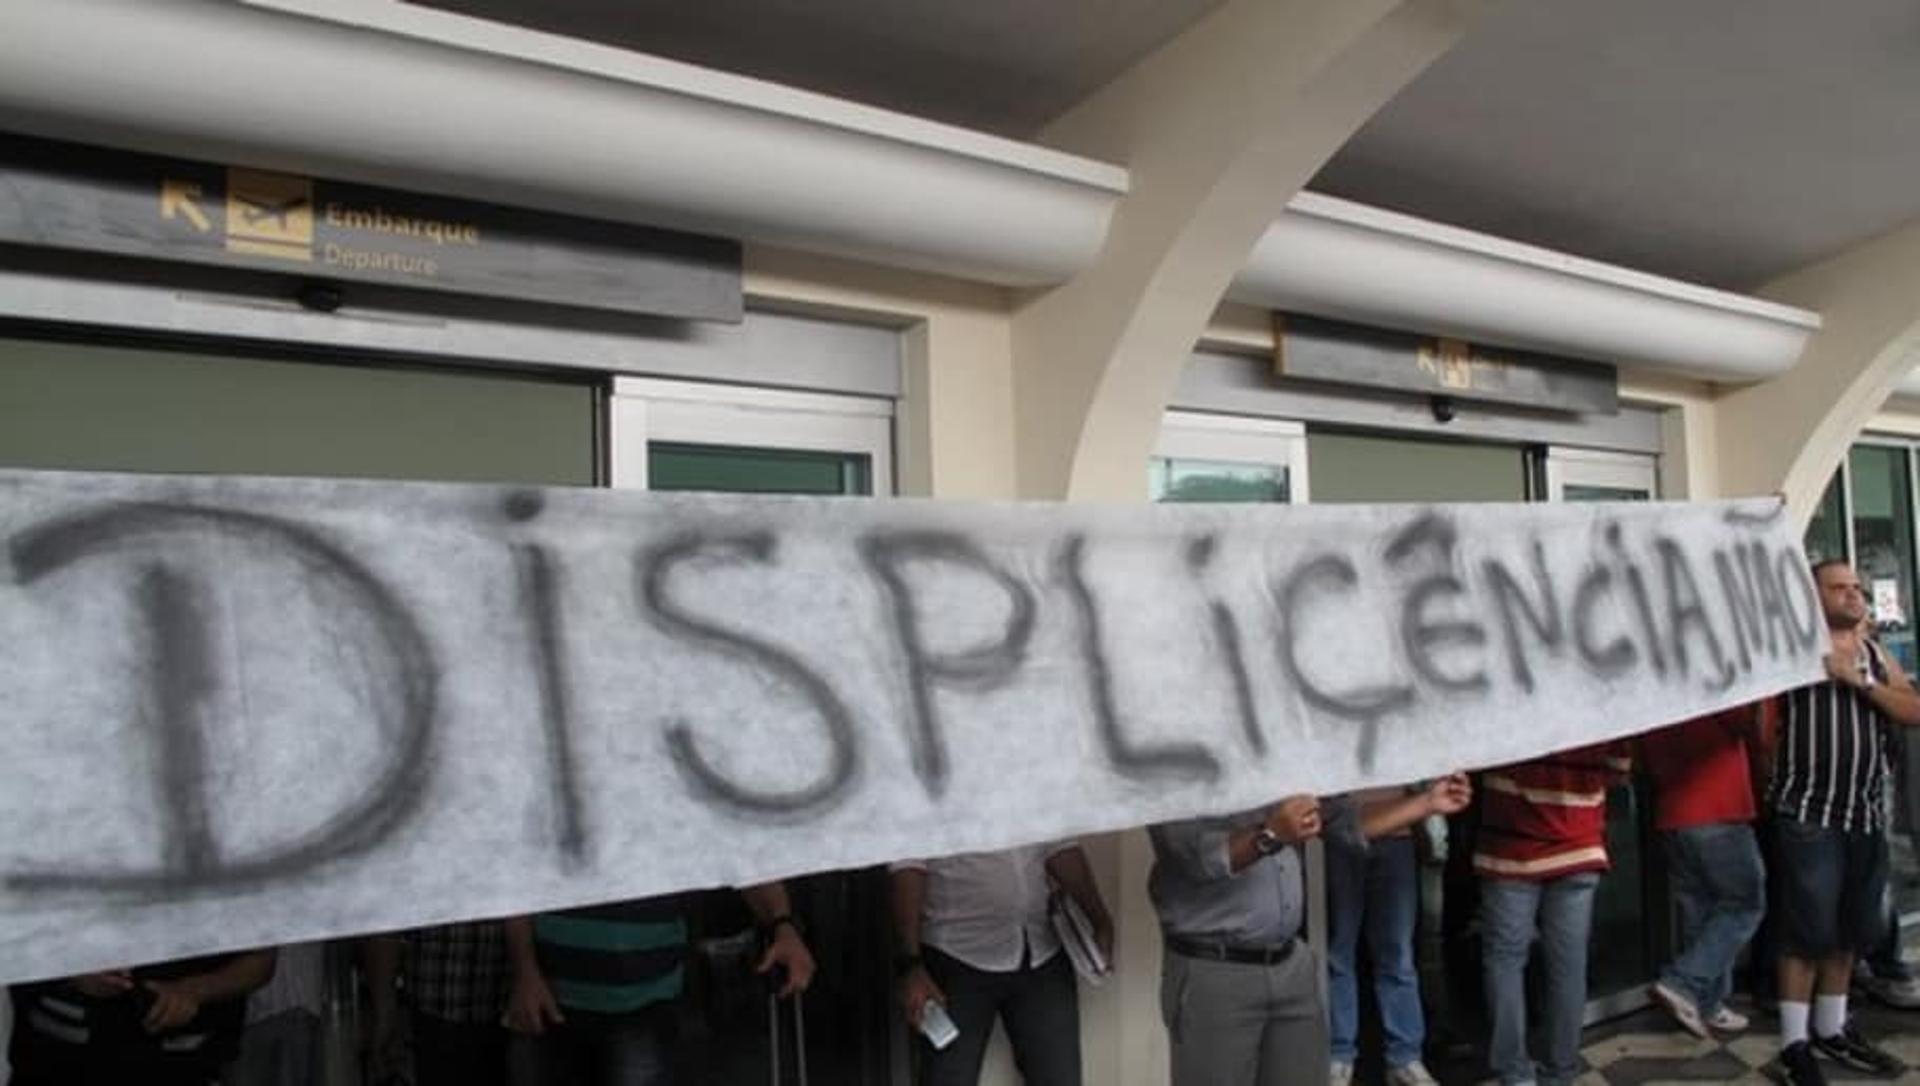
column 615, row 958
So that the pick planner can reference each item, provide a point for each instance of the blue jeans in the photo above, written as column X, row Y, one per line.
column 1561, row 911
column 1720, row 890
column 1374, row 892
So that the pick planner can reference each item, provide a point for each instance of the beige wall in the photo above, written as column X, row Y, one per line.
column 955, row 433
column 1689, row 458
column 1790, row 433
column 1901, row 415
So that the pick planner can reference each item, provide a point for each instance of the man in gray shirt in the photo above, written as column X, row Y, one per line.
column 1239, row 988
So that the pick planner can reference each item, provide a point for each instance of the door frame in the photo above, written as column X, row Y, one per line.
column 1562, row 466
column 1238, row 439
column 643, row 410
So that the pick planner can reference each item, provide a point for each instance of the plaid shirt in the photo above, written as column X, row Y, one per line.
column 459, row 972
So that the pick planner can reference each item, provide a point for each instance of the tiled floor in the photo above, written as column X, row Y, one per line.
column 1646, row 1049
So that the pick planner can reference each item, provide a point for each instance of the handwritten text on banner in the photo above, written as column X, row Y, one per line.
column 250, row 711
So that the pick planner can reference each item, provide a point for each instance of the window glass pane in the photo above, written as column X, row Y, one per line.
column 1577, row 492
column 1882, row 512
column 1623, row 956
column 1883, row 541
column 1827, row 531
column 1377, row 468
column 1173, row 479
column 94, row 407
column 739, row 469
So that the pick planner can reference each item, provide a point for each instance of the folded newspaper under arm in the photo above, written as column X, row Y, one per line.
column 1070, row 923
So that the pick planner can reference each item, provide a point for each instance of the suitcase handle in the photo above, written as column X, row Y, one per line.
column 776, row 980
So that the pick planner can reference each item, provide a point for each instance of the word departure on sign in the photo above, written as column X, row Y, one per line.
column 75, row 197
column 248, row 711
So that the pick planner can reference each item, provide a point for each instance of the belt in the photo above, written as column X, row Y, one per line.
column 1222, row 952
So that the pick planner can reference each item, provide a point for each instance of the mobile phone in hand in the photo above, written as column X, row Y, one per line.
column 937, row 1025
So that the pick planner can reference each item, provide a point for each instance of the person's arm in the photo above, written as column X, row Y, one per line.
column 1446, row 796
column 178, row 1001
column 916, row 985
column 1205, row 850
column 785, row 948
column 531, row 1007
column 1073, row 874
column 1896, row 697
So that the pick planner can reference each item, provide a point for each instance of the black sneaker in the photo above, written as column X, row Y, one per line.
column 1854, row 1052
column 1795, row 1066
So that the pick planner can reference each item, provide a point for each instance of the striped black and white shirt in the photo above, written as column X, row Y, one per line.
column 1834, row 755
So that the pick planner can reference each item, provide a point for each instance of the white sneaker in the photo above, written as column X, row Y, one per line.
column 1339, row 1074
column 1412, row 1074
column 1728, row 1020
column 1899, row 994
column 1682, row 1008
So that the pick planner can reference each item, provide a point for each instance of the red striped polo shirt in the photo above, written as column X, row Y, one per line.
column 1547, row 818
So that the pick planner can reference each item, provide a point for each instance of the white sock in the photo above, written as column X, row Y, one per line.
column 1829, row 1014
column 1793, row 1023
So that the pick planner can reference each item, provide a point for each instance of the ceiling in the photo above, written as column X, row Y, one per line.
column 1720, row 141
column 1000, row 66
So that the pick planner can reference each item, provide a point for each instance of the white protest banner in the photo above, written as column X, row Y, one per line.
column 242, row 712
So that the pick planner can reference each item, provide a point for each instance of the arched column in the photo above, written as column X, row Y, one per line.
column 1789, row 434
column 1218, row 130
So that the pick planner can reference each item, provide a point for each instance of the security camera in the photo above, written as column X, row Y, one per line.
column 1442, row 409
column 320, row 297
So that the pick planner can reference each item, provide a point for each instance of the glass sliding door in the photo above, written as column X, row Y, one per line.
column 1867, row 516
column 190, row 410
column 1593, row 475
column 1827, row 532
column 673, row 465
column 100, row 407
column 1882, row 522
column 1630, row 933
column 1349, row 467
column 697, row 436
column 1879, row 478
column 1364, row 467
column 683, row 435
column 1227, row 458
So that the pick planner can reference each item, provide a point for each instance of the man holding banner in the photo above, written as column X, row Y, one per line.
column 1240, row 989
column 1829, row 797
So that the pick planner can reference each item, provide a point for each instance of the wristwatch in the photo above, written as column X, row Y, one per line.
column 1266, row 842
